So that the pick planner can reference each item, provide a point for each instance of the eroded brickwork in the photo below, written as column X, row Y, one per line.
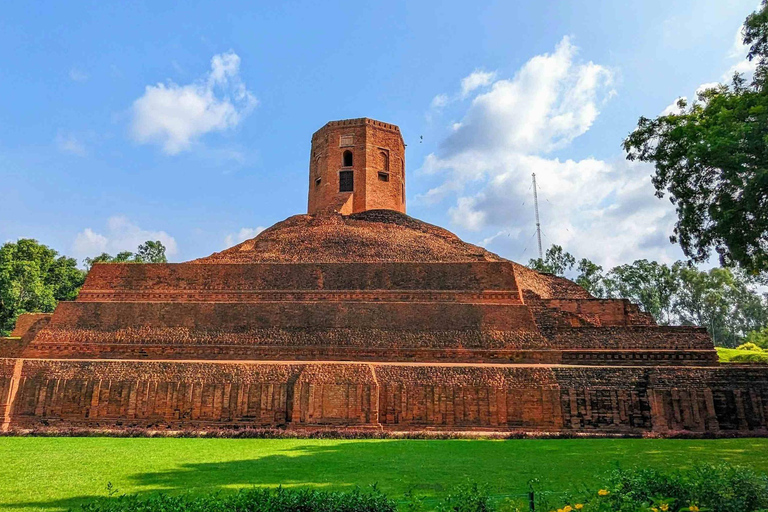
column 390, row 396
column 358, row 315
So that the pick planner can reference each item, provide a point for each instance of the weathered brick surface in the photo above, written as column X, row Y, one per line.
column 184, row 282
column 357, row 314
column 554, row 398
column 29, row 323
column 376, row 147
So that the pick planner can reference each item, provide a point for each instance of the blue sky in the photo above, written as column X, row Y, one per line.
column 191, row 122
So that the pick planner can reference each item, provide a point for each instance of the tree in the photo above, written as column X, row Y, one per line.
column 711, row 157
column 591, row 277
column 33, row 278
column 148, row 252
column 722, row 301
column 151, row 252
column 650, row 284
column 725, row 301
column 556, row 261
column 758, row 338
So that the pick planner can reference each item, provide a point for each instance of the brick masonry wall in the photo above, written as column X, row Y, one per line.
column 601, row 312
column 185, row 277
column 166, row 394
column 29, row 323
column 109, row 316
column 376, row 147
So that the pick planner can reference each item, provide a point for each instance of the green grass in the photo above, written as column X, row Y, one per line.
column 57, row 473
column 732, row 355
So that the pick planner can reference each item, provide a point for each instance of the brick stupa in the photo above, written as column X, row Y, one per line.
column 356, row 315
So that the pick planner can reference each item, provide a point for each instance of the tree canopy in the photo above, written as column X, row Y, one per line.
column 33, row 278
column 555, row 261
column 711, row 157
column 148, row 252
column 725, row 301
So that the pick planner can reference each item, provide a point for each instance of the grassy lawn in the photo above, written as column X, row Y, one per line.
column 56, row 473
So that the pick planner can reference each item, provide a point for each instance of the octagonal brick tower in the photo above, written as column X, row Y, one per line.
column 357, row 165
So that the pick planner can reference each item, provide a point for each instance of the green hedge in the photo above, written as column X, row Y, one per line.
column 708, row 487
column 250, row 500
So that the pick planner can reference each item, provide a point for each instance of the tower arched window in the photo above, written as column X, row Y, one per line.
column 346, row 159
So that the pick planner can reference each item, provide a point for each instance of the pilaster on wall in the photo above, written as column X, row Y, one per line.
column 9, row 389
column 166, row 394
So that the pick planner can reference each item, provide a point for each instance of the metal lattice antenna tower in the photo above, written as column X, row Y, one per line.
column 536, row 207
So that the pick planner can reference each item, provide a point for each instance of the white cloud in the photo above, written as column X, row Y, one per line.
column 175, row 116
column 69, row 143
column 439, row 101
column 475, row 80
column 708, row 85
column 242, row 235
column 88, row 242
column 121, row 235
column 674, row 107
column 77, row 75
column 604, row 210
column 738, row 54
column 547, row 104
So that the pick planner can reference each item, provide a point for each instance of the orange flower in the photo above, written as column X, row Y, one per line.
column 693, row 508
column 603, row 492
column 567, row 508
column 578, row 506
column 664, row 507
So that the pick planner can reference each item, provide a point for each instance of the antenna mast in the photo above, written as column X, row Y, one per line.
column 536, row 207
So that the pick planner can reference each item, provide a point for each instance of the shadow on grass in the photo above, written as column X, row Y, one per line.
column 427, row 466
column 341, row 466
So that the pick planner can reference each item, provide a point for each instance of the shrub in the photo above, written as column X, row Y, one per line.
column 710, row 487
column 250, row 500
column 467, row 498
column 749, row 346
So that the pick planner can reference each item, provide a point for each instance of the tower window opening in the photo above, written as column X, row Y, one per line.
column 346, row 181
column 384, row 161
column 384, row 176
column 346, row 159
column 317, row 181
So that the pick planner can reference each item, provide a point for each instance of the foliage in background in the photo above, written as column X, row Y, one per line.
column 711, row 157
column 33, row 278
column 725, row 301
column 759, row 338
column 148, row 252
column 555, row 261
column 648, row 283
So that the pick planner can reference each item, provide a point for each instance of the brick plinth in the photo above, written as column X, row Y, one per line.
column 164, row 394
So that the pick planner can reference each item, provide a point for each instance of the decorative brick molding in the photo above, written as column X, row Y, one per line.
column 163, row 394
column 358, row 315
